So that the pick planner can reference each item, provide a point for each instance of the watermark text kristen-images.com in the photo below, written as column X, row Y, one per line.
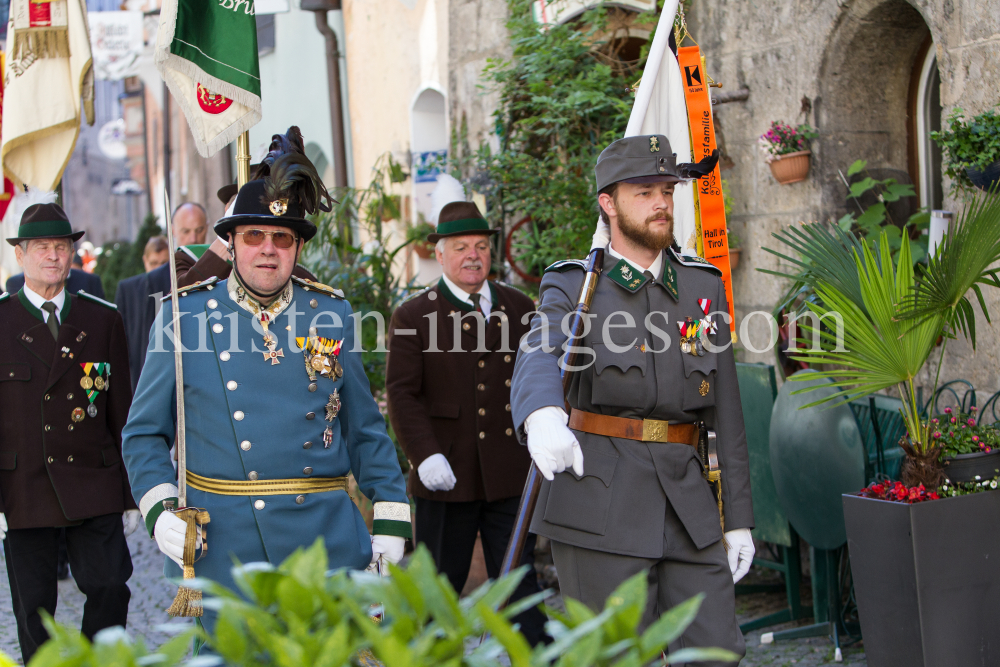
column 656, row 332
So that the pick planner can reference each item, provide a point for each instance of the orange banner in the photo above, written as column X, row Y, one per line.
column 710, row 203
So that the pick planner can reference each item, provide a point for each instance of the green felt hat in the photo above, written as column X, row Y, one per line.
column 44, row 221
column 458, row 219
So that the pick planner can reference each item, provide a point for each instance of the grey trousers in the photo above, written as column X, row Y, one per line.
column 684, row 571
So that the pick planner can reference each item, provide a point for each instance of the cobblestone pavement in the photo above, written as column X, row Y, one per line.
column 151, row 595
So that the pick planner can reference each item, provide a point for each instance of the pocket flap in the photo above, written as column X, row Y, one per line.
column 110, row 456
column 595, row 464
column 15, row 371
column 8, row 460
column 633, row 357
column 445, row 410
column 703, row 365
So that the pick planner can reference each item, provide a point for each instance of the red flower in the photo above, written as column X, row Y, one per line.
column 970, row 421
column 937, row 434
column 954, row 420
column 975, row 438
column 947, row 411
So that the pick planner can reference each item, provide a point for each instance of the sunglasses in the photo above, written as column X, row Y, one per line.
column 254, row 237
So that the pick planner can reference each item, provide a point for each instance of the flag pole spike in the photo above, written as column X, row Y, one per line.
column 243, row 159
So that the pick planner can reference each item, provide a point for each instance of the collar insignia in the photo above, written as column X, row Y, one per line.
column 654, row 145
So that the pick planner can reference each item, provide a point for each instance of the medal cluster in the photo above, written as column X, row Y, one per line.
column 691, row 330
column 93, row 386
column 321, row 356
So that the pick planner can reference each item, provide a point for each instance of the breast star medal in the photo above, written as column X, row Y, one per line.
column 333, row 406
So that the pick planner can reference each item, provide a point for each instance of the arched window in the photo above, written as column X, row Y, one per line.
column 428, row 144
column 926, row 113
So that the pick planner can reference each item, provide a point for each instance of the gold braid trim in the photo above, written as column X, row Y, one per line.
column 266, row 487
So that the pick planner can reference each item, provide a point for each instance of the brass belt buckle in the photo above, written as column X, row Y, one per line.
column 654, row 430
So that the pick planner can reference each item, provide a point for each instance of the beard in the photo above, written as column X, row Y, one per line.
column 640, row 233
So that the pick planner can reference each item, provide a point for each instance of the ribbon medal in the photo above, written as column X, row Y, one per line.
column 321, row 356
column 93, row 386
column 708, row 325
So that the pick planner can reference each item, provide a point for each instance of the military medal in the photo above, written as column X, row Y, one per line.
column 77, row 415
column 321, row 356
column 690, row 341
column 333, row 406
column 93, row 386
column 92, row 410
column 327, row 437
column 99, row 383
column 86, row 382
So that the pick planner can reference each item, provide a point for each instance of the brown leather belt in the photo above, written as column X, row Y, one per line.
column 646, row 430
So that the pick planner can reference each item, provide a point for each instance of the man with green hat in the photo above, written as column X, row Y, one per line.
column 64, row 399
column 451, row 358
column 626, row 490
column 279, row 409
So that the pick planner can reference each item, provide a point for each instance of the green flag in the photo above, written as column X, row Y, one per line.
column 206, row 52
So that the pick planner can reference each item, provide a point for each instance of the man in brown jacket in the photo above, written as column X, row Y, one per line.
column 64, row 399
column 451, row 358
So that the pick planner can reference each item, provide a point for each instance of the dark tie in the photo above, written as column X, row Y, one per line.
column 478, row 303
column 53, row 321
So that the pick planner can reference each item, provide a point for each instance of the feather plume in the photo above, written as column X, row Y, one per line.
column 22, row 200
column 292, row 175
column 289, row 142
column 449, row 189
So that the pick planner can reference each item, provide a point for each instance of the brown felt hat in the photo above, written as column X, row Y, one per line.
column 44, row 221
column 460, row 218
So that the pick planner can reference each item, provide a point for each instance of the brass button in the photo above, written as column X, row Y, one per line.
column 482, row 435
column 502, row 308
column 507, row 408
column 258, row 504
column 217, row 328
column 69, row 459
column 48, row 427
column 312, row 386
column 224, row 355
column 506, row 383
column 466, row 326
column 252, row 475
column 313, row 302
column 69, row 397
column 51, row 460
column 48, row 397
column 238, row 415
column 307, row 471
column 231, row 385
column 299, row 500
column 212, row 303
column 509, row 431
column 481, row 387
column 245, row 445
column 310, row 415
column 482, row 364
column 11, row 374
column 482, row 412
column 69, row 428
column 506, row 358
column 306, row 445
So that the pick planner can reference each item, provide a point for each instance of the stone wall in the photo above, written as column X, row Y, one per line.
column 846, row 68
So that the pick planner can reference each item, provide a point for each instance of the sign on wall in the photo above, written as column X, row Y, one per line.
column 116, row 40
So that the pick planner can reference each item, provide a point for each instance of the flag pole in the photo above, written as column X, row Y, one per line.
column 243, row 159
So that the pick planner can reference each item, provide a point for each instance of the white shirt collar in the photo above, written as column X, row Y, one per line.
column 655, row 268
column 485, row 296
column 37, row 300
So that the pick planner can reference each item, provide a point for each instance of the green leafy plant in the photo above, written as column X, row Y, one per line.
column 298, row 614
column 959, row 433
column 892, row 316
column 969, row 143
column 950, row 490
column 66, row 647
column 564, row 95
column 782, row 139
column 418, row 232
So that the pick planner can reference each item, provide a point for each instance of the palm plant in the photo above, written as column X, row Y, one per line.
column 893, row 318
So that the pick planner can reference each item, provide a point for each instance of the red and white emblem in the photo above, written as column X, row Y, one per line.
column 212, row 103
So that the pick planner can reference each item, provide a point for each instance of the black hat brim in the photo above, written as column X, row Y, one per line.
column 434, row 237
column 75, row 236
column 300, row 226
column 227, row 192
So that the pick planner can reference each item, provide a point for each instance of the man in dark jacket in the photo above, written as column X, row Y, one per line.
column 64, row 399
column 451, row 357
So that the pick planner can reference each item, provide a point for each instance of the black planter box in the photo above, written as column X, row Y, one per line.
column 965, row 467
column 927, row 579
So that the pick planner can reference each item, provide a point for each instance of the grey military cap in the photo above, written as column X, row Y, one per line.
column 646, row 159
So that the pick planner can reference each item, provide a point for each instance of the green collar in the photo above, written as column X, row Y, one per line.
column 63, row 314
column 195, row 250
column 632, row 279
column 465, row 306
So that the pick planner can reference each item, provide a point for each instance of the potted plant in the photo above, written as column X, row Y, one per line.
column 921, row 571
column 972, row 149
column 787, row 151
column 969, row 450
column 417, row 235
column 735, row 248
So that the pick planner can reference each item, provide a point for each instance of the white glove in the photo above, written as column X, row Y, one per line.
column 131, row 520
column 169, row 532
column 388, row 547
column 3, row 527
column 602, row 235
column 741, row 551
column 435, row 473
column 552, row 446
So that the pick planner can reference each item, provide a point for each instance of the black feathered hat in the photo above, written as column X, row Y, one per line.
column 291, row 190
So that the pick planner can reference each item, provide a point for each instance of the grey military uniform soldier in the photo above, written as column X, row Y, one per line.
column 657, row 350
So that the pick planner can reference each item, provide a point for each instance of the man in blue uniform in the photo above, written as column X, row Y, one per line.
column 278, row 407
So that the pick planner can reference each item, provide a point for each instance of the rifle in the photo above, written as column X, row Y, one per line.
column 533, row 484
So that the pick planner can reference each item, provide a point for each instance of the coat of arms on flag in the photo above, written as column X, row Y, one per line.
column 207, row 55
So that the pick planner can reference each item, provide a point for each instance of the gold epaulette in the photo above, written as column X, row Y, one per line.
column 314, row 286
column 207, row 283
